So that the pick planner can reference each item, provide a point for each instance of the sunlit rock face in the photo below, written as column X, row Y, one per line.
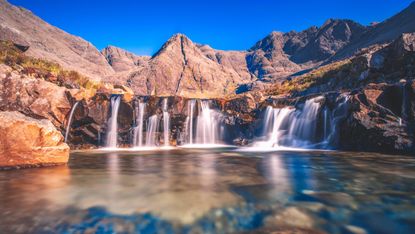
column 48, row 42
column 33, row 97
column 27, row 142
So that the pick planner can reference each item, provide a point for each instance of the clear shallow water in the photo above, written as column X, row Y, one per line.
column 212, row 191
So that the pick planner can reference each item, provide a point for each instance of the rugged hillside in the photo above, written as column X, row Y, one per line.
column 48, row 42
column 122, row 60
column 383, row 32
column 181, row 68
column 279, row 55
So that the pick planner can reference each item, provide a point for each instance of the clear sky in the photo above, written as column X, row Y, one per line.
column 143, row 26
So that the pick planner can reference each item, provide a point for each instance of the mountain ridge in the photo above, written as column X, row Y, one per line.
column 183, row 67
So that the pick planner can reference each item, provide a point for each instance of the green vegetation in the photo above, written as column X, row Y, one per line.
column 15, row 57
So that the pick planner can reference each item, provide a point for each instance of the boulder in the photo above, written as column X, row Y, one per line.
column 28, row 142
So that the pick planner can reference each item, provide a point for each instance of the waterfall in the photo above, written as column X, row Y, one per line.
column 189, row 120
column 152, row 128
column 138, row 130
column 166, row 122
column 112, row 131
column 291, row 127
column 303, row 124
column 207, row 125
column 68, row 126
column 332, row 120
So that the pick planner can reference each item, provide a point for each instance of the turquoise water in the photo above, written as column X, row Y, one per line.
column 212, row 191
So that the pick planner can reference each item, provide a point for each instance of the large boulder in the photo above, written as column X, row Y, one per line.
column 27, row 142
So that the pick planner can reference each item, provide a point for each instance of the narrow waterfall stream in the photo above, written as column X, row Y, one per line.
column 152, row 127
column 112, row 131
column 189, row 120
column 332, row 120
column 68, row 126
column 138, row 130
column 166, row 122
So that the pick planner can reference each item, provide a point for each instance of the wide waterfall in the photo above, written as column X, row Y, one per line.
column 68, row 126
column 166, row 122
column 152, row 128
column 112, row 130
column 309, row 126
column 138, row 130
column 288, row 127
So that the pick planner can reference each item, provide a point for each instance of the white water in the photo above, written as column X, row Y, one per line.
column 288, row 127
column 332, row 120
column 68, row 126
column 152, row 128
column 189, row 121
column 207, row 125
column 303, row 124
column 138, row 130
column 166, row 122
column 273, row 129
column 112, row 130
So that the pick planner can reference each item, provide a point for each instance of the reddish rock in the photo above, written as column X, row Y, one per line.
column 27, row 142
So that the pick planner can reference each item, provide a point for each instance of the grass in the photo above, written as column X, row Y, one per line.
column 334, row 76
column 14, row 57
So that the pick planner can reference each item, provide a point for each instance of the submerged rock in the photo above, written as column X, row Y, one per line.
column 27, row 142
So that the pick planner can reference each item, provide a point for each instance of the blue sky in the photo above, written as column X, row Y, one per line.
column 143, row 26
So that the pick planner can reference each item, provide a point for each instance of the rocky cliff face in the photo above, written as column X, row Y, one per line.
column 48, row 42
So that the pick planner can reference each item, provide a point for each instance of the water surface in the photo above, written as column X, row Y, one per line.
column 212, row 191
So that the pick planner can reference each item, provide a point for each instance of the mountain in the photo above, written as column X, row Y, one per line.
column 122, row 60
column 281, row 54
column 386, row 31
column 48, row 42
column 181, row 68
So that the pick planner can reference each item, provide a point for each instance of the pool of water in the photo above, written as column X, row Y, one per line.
column 212, row 191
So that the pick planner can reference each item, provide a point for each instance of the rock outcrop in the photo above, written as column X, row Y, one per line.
column 381, row 119
column 32, row 96
column 48, row 42
column 28, row 142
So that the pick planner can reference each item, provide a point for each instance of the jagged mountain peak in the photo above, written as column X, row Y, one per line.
column 122, row 60
column 272, row 41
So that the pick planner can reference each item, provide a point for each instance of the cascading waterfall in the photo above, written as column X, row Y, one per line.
column 207, row 125
column 303, row 124
column 333, row 118
column 152, row 128
column 273, row 129
column 112, row 131
column 166, row 122
column 68, row 126
column 290, row 127
column 138, row 130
